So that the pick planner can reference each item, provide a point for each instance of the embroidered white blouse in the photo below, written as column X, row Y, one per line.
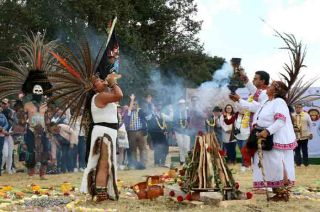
column 260, row 96
column 275, row 116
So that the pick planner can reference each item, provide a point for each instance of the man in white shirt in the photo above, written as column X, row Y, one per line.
column 257, row 89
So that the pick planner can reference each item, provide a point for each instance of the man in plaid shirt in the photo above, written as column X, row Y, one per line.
column 136, row 126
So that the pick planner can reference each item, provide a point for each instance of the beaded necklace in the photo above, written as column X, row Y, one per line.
column 163, row 126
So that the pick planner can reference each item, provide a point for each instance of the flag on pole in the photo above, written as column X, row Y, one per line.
column 109, row 60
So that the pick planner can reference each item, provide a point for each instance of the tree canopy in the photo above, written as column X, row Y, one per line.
column 152, row 33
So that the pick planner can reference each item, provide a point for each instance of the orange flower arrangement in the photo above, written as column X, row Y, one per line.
column 35, row 188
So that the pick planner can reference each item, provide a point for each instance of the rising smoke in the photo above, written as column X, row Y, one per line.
column 212, row 93
column 165, row 89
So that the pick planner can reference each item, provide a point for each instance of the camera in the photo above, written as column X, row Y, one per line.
column 236, row 131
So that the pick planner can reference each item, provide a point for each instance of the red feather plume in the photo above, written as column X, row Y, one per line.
column 63, row 62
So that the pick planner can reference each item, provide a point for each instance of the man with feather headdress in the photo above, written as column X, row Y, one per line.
column 29, row 75
column 78, row 84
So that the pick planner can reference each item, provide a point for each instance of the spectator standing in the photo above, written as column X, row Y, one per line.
column 302, row 127
column 4, row 125
column 8, row 147
column 241, row 130
column 181, row 121
column 79, row 150
column 67, row 139
column 158, row 132
column 122, row 140
column 228, row 138
column 136, row 125
column 213, row 124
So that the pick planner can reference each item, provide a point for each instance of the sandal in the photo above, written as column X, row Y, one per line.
column 282, row 194
column 101, row 194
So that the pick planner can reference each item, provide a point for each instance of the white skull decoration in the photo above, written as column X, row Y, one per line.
column 37, row 89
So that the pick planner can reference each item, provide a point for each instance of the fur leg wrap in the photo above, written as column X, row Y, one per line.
column 110, row 174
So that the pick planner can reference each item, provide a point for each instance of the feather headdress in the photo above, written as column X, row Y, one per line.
column 73, row 79
column 293, row 79
column 29, row 67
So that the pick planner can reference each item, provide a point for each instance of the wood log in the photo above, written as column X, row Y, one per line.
column 222, row 162
column 205, row 164
column 200, row 163
column 210, row 171
column 218, row 160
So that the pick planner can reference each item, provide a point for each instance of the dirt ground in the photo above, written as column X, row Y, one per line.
column 306, row 176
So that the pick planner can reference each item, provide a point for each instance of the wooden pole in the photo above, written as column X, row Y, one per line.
column 260, row 164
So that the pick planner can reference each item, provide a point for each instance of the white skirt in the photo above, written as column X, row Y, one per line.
column 99, row 131
column 275, row 163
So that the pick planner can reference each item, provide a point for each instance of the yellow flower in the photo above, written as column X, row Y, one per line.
column 7, row 188
column 66, row 187
column 70, row 206
column 119, row 184
column 35, row 188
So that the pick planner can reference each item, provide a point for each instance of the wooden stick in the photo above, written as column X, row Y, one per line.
column 260, row 164
column 204, row 174
column 218, row 160
column 200, row 163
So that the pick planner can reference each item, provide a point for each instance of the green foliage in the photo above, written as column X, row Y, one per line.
column 193, row 65
column 152, row 33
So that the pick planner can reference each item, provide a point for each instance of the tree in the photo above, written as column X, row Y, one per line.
column 152, row 33
column 193, row 65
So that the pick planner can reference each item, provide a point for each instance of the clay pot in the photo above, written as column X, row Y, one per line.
column 154, row 191
column 141, row 190
column 142, row 194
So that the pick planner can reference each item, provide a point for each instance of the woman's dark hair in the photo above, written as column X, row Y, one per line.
column 225, row 108
column 264, row 76
column 281, row 90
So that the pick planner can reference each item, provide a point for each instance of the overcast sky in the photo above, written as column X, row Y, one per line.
column 232, row 28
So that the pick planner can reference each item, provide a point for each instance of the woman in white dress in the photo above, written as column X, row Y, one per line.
column 278, row 163
column 99, row 178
